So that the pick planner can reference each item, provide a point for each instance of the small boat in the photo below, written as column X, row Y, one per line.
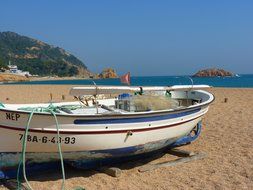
column 130, row 121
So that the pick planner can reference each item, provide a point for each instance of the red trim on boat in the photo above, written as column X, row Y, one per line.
column 99, row 132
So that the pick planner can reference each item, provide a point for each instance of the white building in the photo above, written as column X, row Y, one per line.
column 14, row 70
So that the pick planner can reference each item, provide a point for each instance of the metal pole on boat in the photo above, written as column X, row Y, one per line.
column 95, row 96
column 189, row 90
column 96, row 104
column 191, row 81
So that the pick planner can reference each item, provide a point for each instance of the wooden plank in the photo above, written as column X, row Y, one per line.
column 12, row 184
column 172, row 163
column 114, row 172
column 180, row 153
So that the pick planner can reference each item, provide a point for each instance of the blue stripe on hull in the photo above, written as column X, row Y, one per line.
column 135, row 120
column 12, row 159
column 39, row 162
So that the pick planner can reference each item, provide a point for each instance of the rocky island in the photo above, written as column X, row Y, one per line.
column 108, row 73
column 213, row 73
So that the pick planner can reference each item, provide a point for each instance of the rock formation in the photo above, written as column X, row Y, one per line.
column 12, row 77
column 213, row 73
column 108, row 73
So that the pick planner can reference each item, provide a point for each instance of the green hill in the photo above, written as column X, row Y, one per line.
column 38, row 57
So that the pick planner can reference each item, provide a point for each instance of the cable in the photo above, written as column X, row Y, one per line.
column 50, row 109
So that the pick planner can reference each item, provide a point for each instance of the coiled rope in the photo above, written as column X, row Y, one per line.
column 49, row 109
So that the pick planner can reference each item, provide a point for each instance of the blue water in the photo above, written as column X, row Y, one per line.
column 243, row 81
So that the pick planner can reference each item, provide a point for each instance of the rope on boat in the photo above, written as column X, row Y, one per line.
column 59, row 149
column 51, row 109
column 22, row 158
column 56, row 109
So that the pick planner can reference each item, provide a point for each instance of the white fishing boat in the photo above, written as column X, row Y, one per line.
column 93, row 128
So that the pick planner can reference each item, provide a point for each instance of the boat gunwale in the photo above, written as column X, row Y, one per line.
column 122, row 115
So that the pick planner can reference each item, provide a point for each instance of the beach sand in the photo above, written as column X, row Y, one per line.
column 227, row 138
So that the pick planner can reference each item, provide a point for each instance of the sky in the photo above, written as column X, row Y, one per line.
column 147, row 38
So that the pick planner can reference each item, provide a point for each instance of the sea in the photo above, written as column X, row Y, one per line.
column 239, row 81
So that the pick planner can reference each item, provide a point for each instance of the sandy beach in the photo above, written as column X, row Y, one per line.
column 227, row 139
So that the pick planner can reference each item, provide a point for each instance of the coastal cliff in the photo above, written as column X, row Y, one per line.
column 39, row 58
column 213, row 73
column 4, row 77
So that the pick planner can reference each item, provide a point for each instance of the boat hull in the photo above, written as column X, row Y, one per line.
column 88, row 137
column 94, row 145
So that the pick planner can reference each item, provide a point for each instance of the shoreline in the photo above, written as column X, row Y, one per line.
column 234, row 82
column 45, row 78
